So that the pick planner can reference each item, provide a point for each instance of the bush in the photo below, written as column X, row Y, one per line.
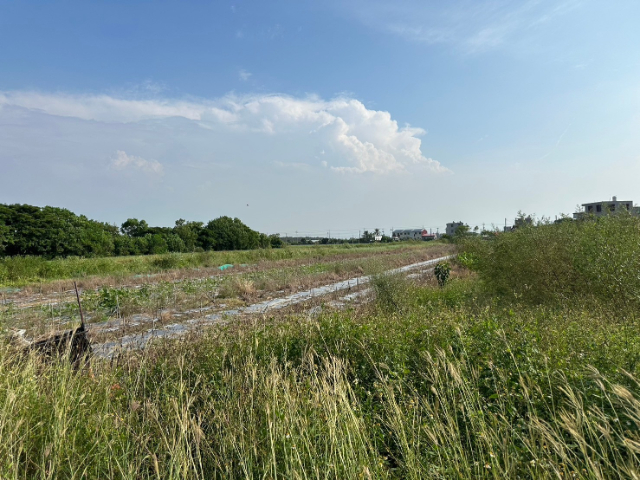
column 442, row 272
column 593, row 261
column 167, row 262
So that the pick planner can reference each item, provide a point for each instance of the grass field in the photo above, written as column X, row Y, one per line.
column 496, row 375
column 21, row 271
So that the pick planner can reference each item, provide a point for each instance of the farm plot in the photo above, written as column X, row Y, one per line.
column 127, row 315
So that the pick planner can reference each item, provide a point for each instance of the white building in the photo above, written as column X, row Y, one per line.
column 412, row 234
column 604, row 208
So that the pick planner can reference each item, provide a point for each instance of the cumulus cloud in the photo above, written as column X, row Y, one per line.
column 354, row 138
column 244, row 75
column 123, row 161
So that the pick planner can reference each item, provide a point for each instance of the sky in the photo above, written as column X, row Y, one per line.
column 309, row 117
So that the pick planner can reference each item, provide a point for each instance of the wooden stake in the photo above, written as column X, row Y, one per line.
column 79, row 304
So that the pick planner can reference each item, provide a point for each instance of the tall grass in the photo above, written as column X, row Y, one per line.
column 425, row 382
column 448, row 386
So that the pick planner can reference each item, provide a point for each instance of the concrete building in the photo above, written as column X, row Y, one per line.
column 453, row 227
column 408, row 234
column 607, row 207
column 413, row 234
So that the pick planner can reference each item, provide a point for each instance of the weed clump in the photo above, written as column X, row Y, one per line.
column 389, row 290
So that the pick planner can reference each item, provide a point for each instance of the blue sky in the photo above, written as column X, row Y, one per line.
column 315, row 116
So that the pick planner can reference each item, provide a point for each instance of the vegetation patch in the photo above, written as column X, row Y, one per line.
column 492, row 375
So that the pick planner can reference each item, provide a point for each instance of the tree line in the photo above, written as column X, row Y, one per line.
column 57, row 232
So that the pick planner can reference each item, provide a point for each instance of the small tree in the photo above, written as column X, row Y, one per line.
column 276, row 242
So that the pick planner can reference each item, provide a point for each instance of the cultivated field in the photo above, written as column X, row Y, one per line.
column 525, row 365
column 125, row 306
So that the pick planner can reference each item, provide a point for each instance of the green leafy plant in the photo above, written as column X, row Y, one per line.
column 467, row 260
column 442, row 272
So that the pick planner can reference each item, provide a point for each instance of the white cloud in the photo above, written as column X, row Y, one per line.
column 354, row 139
column 122, row 161
column 244, row 75
column 472, row 25
column 103, row 108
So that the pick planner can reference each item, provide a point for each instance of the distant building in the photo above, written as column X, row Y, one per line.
column 413, row 234
column 408, row 234
column 427, row 237
column 452, row 228
column 607, row 207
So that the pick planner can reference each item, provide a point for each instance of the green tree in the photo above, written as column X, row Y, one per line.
column 367, row 237
column 175, row 243
column 156, row 244
column 189, row 233
column 276, row 242
column 57, row 232
column 225, row 233
column 4, row 237
column 135, row 228
column 54, row 232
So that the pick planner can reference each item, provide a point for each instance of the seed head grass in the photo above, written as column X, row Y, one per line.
column 482, row 378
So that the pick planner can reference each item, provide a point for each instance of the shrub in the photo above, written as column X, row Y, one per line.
column 594, row 260
column 167, row 262
column 442, row 272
